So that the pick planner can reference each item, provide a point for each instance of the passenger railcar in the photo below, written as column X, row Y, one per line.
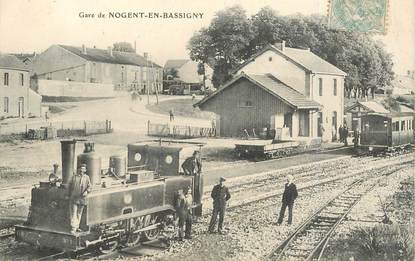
column 386, row 132
column 123, row 207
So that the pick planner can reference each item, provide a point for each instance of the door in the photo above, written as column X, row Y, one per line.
column 20, row 107
column 320, row 128
column 334, row 126
column 288, row 122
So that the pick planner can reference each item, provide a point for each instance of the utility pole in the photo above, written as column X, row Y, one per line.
column 154, row 83
column 147, row 81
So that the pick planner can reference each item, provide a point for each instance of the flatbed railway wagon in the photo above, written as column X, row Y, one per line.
column 268, row 149
column 381, row 133
column 131, row 203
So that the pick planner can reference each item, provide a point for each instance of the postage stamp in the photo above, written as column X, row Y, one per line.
column 366, row 16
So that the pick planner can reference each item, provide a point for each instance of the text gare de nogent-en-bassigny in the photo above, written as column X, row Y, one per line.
column 142, row 15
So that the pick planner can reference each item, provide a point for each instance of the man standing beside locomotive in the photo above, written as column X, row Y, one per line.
column 184, row 212
column 220, row 194
column 192, row 166
column 79, row 188
column 290, row 194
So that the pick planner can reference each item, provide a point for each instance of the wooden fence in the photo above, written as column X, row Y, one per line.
column 65, row 127
column 178, row 131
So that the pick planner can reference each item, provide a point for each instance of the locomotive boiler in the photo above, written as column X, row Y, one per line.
column 127, row 205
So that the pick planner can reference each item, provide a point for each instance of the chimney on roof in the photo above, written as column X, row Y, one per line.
column 280, row 46
column 145, row 55
column 110, row 50
column 83, row 49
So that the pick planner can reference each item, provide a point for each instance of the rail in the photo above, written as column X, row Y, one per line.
column 322, row 222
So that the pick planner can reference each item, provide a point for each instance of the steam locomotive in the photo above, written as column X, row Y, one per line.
column 127, row 205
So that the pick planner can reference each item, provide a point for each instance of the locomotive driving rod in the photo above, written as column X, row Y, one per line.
column 154, row 226
column 100, row 240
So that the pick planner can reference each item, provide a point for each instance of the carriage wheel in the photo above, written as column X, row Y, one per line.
column 108, row 246
column 153, row 233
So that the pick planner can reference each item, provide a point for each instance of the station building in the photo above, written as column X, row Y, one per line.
column 308, row 95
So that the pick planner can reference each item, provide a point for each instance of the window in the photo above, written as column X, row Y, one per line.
column 246, row 103
column 6, row 79
column 395, row 126
column 270, row 59
column 402, row 125
column 22, row 79
column 6, row 104
column 335, row 87
column 320, row 86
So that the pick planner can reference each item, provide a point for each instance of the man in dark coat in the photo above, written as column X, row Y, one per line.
column 341, row 133
column 220, row 195
column 192, row 166
column 345, row 134
column 290, row 194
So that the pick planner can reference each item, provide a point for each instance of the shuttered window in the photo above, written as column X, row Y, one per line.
column 320, row 86
column 6, row 79
column 6, row 104
column 335, row 87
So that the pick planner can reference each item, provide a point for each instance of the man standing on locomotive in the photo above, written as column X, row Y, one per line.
column 79, row 188
column 220, row 194
column 290, row 194
column 192, row 166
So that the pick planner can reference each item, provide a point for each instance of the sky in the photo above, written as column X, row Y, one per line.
column 34, row 25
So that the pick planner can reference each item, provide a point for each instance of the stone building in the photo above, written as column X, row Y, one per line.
column 124, row 70
column 16, row 97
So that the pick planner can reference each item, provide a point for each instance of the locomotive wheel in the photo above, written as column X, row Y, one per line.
column 151, row 234
column 108, row 246
column 134, row 238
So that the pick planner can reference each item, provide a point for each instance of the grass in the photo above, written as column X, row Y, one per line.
column 180, row 107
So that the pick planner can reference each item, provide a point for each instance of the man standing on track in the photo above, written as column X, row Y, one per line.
column 79, row 188
column 290, row 194
column 220, row 194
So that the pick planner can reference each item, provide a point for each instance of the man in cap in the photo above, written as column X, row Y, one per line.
column 220, row 195
column 290, row 194
column 79, row 188
column 192, row 166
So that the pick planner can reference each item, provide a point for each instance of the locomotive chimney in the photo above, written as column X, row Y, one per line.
column 68, row 160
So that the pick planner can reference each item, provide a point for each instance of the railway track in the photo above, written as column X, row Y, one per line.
column 309, row 240
column 376, row 162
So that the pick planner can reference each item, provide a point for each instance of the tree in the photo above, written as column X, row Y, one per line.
column 123, row 47
column 232, row 38
column 171, row 72
column 223, row 42
column 202, row 71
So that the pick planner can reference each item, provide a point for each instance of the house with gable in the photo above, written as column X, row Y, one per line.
column 304, row 75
